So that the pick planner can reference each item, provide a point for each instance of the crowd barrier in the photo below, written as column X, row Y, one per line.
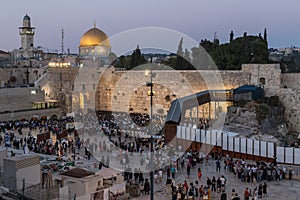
column 238, row 147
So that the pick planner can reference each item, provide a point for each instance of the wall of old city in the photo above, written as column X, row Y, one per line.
column 20, row 75
column 19, row 98
column 127, row 91
column 289, row 94
column 58, row 85
column 290, row 80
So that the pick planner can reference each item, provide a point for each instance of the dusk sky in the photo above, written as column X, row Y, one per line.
column 195, row 18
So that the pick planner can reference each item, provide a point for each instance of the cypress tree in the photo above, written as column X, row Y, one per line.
column 265, row 35
column 231, row 36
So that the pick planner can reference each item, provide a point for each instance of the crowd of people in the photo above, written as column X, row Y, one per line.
column 255, row 178
column 166, row 159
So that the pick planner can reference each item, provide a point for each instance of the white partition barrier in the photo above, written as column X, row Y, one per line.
column 243, row 145
column 270, row 150
column 225, row 146
column 179, row 131
column 230, row 143
column 208, row 137
column 214, row 137
column 256, row 147
column 289, row 153
column 237, row 145
column 193, row 134
column 297, row 156
column 198, row 135
column 219, row 138
column 280, row 154
column 203, row 136
column 183, row 131
column 188, row 133
column 263, row 149
column 249, row 146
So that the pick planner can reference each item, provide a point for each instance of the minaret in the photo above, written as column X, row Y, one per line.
column 26, row 33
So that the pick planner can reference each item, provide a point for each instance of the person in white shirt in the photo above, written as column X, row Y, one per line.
column 160, row 173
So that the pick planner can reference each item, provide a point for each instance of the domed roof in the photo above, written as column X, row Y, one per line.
column 26, row 17
column 94, row 37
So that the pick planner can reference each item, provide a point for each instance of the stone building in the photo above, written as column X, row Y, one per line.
column 27, row 49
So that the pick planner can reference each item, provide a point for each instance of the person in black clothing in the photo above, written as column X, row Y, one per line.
column 265, row 189
column 208, row 182
column 260, row 191
column 190, row 194
column 213, row 184
column 146, row 186
column 174, row 193
column 223, row 195
column 219, row 183
column 218, row 165
column 141, row 177
column 196, row 189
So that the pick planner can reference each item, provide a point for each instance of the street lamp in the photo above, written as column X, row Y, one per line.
column 151, row 94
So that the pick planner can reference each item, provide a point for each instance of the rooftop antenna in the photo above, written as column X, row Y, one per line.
column 62, row 41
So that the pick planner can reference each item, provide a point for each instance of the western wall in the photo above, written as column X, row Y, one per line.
column 126, row 91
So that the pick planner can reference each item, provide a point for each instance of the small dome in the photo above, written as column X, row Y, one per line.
column 94, row 37
column 26, row 17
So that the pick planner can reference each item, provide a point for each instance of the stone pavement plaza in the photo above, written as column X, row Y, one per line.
column 285, row 189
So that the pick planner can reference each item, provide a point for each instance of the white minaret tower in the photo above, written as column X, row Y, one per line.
column 26, row 33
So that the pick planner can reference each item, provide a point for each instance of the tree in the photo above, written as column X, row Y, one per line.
column 231, row 36
column 136, row 58
column 122, row 61
column 265, row 36
column 187, row 55
column 179, row 59
column 179, row 50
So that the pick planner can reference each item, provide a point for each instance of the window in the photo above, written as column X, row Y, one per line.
column 262, row 80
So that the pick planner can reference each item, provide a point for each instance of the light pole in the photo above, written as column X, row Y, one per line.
column 151, row 130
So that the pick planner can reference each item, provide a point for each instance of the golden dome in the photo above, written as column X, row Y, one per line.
column 94, row 37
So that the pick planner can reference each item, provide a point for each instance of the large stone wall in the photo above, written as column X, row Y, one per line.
column 267, row 76
column 19, row 98
column 290, row 81
column 58, row 85
column 289, row 94
column 21, row 75
column 127, row 91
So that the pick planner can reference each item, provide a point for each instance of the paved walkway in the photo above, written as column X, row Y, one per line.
column 284, row 189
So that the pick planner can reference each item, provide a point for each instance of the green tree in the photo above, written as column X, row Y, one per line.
column 136, row 58
column 231, row 36
column 265, row 35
